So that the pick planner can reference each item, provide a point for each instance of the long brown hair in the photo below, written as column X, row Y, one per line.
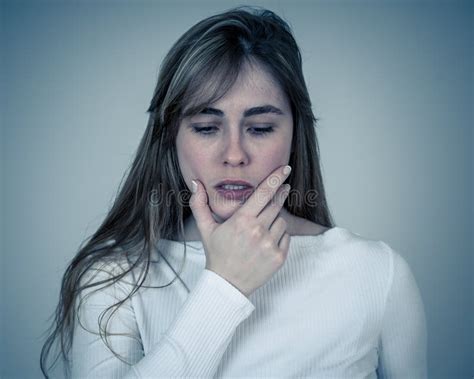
column 198, row 70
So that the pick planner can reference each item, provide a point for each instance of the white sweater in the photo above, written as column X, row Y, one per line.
column 342, row 306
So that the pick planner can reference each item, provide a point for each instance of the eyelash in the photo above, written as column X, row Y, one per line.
column 210, row 130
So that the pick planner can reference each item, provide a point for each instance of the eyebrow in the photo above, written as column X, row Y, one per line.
column 263, row 109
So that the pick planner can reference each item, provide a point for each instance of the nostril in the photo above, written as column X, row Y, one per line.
column 231, row 163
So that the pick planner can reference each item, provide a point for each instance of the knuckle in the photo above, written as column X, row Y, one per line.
column 285, row 249
column 257, row 231
column 268, row 244
column 280, row 259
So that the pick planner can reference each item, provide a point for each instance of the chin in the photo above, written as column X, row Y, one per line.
column 224, row 213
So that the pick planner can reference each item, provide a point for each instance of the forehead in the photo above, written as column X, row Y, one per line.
column 227, row 89
column 254, row 85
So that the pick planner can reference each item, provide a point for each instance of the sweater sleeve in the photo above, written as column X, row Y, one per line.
column 403, row 340
column 193, row 345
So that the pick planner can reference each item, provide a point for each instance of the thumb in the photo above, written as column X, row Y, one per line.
column 201, row 211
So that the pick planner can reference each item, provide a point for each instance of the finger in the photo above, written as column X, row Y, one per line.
column 265, row 192
column 278, row 229
column 271, row 211
column 201, row 211
column 285, row 243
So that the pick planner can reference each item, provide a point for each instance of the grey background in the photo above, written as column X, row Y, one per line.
column 390, row 81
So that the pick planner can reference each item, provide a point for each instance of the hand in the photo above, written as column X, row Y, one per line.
column 250, row 246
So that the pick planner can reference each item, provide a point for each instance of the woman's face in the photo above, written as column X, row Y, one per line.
column 244, row 136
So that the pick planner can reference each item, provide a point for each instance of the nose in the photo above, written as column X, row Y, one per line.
column 234, row 153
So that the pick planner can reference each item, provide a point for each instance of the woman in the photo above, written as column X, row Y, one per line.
column 267, row 285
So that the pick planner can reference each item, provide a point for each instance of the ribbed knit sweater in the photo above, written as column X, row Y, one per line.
column 341, row 306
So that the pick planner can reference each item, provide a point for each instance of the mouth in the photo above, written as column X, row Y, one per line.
column 234, row 189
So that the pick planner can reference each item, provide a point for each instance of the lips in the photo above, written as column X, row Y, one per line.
column 234, row 189
column 233, row 183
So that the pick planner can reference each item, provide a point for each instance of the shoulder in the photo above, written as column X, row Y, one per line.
column 372, row 252
column 345, row 246
column 356, row 254
column 367, row 265
column 113, row 271
column 377, row 260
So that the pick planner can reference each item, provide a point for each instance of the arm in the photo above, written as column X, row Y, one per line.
column 193, row 345
column 403, row 340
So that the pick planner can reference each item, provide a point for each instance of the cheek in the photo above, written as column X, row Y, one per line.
column 191, row 159
column 276, row 154
column 272, row 159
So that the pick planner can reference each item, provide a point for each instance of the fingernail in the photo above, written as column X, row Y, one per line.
column 286, row 170
column 194, row 186
column 286, row 190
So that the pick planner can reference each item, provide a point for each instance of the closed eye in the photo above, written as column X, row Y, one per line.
column 205, row 130
column 212, row 129
column 261, row 131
